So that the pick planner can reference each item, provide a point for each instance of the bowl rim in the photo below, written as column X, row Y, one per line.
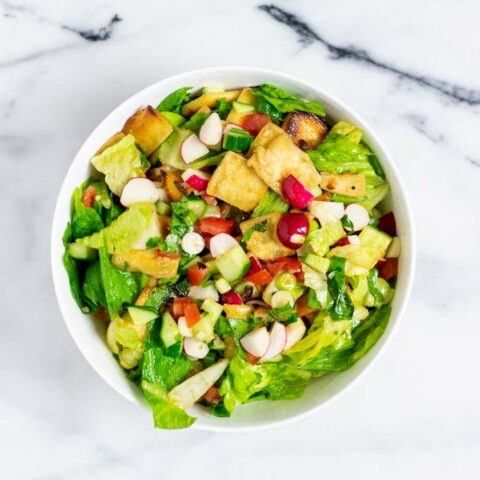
column 380, row 149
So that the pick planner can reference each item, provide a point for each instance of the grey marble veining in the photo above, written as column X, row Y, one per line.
column 410, row 68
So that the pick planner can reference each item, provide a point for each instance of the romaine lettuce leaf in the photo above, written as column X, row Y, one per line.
column 285, row 381
column 165, row 414
column 271, row 202
column 242, row 380
column 119, row 163
column 85, row 220
column 92, row 287
column 286, row 102
column 342, row 305
column 343, row 151
column 174, row 101
column 195, row 122
column 129, row 231
column 120, row 286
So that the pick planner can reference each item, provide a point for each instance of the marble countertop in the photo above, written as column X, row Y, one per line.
column 410, row 68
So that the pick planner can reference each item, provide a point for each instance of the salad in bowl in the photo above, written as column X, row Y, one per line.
column 235, row 245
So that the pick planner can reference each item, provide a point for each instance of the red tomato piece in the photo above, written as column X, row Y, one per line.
column 196, row 273
column 388, row 269
column 88, row 197
column 192, row 314
column 215, row 225
column 255, row 266
column 178, row 306
column 302, row 308
column 261, row 278
column 387, row 224
column 254, row 122
column 232, row 298
column 285, row 264
column 300, row 276
column 212, row 396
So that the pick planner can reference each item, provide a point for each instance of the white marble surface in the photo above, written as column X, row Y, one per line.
column 411, row 68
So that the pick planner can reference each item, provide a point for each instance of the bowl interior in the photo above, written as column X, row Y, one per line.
column 89, row 335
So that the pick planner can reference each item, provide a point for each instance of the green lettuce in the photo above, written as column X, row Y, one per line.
column 165, row 414
column 271, row 202
column 174, row 101
column 121, row 287
column 342, row 306
column 223, row 108
column 85, row 220
column 175, row 119
column 92, row 287
column 370, row 290
column 242, row 380
column 343, row 151
column 119, row 163
column 285, row 381
column 285, row 102
column 129, row 231
column 195, row 122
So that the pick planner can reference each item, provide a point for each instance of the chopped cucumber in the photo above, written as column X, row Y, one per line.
column 197, row 206
column 169, row 332
column 163, row 208
column 320, row 264
column 203, row 330
column 374, row 238
column 82, row 252
column 222, row 286
column 242, row 108
column 237, row 140
column 173, row 118
column 234, row 264
column 141, row 315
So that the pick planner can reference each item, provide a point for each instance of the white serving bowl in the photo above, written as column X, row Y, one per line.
column 89, row 335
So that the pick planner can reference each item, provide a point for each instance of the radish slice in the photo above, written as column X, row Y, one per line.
column 193, row 243
column 221, row 243
column 278, row 340
column 139, row 190
column 183, row 328
column 295, row 332
column 358, row 215
column 292, row 230
column 295, row 193
column 197, row 179
column 202, row 293
column 353, row 240
column 195, row 349
column 256, row 342
column 211, row 131
column 337, row 209
column 232, row 298
column 192, row 149
column 281, row 298
column 394, row 248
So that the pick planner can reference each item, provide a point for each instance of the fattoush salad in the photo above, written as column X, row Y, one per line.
column 235, row 245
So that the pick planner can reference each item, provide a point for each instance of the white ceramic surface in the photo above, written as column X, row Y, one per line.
column 89, row 336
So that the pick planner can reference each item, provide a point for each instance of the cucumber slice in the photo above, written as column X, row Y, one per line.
column 320, row 264
column 141, row 315
column 81, row 252
column 242, row 108
column 237, row 140
column 169, row 332
column 222, row 286
column 234, row 264
column 173, row 118
column 203, row 330
column 163, row 208
column 197, row 206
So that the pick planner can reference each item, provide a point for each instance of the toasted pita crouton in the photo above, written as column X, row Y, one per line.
column 305, row 129
column 349, row 184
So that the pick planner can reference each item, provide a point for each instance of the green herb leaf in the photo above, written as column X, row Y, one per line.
column 223, row 108
column 372, row 280
column 174, row 101
column 153, row 242
column 285, row 314
column 342, row 306
column 195, row 122
column 258, row 227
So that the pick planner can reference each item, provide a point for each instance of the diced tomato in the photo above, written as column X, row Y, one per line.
column 343, row 241
column 261, row 278
column 255, row 266
column 285, row 264
column 302, row 308
column 232, row 298
column 178, row 306
column 300, row 276
column 388, row 269
column 192, row 314
column 196, row 273
column 254, row 122
column 387, row 224
column 215, row 225
column 212, row 396
column 88, row 197
column 251, row 358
